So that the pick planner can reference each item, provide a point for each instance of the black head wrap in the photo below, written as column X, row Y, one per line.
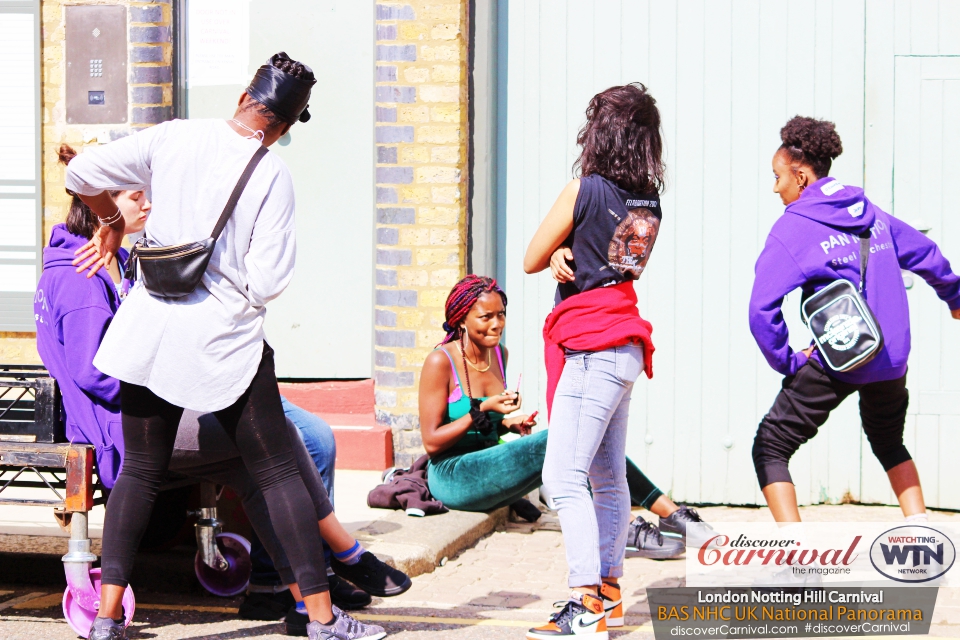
column 286, row 95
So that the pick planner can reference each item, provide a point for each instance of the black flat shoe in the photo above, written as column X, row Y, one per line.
column 346, row 596
column 266, row 606
column 526, row 510
column 373, row 576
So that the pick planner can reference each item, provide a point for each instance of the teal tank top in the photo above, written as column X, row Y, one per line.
column 458, row 405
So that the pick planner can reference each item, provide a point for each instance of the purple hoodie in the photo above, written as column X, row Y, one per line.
column 72, row 313
column 816, row 242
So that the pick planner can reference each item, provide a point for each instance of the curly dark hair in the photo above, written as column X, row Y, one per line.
column 621, row 139
column 811, row 142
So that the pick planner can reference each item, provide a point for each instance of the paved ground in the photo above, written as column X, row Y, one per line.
column 495, row 590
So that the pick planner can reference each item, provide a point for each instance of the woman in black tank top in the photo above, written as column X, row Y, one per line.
column 597, row 239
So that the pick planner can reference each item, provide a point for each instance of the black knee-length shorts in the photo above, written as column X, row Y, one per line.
column 804, row 404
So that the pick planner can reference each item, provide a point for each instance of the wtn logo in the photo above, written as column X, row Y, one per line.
column 912, row 554
column 900, row 553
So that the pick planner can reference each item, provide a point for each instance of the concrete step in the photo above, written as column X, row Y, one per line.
column 419, row 545
column 348, row 407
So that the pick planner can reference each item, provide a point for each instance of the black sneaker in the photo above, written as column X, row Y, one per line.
column 266, row 606
column 373, row 576
column 295, row 623
column 346, row 596
column 645, row 541
column 678, row 522
column 526, row 510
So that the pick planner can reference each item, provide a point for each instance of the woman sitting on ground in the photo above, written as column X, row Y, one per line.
column 466, row 471
column 464, row 402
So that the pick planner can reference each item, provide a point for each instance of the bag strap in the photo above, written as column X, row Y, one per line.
column 864, row 256
column 237, row 191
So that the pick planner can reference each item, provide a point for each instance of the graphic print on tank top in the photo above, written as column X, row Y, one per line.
column 633, row 241
column 613, row 235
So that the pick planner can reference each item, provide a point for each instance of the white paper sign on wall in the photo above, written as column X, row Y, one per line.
column 218, row 42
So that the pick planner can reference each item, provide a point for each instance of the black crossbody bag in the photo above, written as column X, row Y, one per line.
column 844, row 329
column 175, row 271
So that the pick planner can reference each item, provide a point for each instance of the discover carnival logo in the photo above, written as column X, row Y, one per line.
column 912, row 553
column 746, row 551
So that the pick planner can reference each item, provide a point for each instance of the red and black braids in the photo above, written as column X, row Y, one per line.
column 462, row 298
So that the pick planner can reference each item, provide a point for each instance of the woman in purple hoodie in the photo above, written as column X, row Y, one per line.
column 71, row 309
column 814, row 243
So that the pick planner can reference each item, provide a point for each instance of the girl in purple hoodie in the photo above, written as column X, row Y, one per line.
column 814, row 243
column 71, row 309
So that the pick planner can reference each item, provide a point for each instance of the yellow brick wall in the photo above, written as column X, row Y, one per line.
column 422, row 136
column 20, row 348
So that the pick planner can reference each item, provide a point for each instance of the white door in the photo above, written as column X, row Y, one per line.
column 322, row 325
column 19, row 164
column 925, row 169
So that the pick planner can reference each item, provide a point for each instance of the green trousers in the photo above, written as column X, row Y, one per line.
column 499, row 476
column 489, row 478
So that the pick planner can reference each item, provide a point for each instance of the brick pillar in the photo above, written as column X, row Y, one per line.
column 422, row 140
column 151, row 71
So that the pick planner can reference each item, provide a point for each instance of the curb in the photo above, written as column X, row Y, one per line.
column 418, row 545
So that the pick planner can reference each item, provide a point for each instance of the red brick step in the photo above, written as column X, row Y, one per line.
column 348, row 407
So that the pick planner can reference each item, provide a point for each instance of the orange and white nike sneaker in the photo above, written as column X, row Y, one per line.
column 582, row 619
column 612, row 604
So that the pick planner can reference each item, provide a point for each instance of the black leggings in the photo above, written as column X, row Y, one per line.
column 804, row 404
column 256, row 424
column 643, row 493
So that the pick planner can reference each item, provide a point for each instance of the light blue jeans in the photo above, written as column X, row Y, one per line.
column 585, row 469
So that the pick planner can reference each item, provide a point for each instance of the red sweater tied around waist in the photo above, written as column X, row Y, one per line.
column 594, row 320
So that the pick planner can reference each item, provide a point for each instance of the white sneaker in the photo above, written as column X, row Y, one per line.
column 583, row 620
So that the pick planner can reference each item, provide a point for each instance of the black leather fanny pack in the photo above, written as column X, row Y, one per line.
column 176, row 270
column 844, row 328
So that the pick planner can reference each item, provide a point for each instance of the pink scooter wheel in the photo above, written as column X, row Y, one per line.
column 234, row 579
column 80, row 619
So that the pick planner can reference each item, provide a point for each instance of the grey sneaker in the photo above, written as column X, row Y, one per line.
column 644, row 540
column 344, row 628
column 678, row 523
column 107, row 629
